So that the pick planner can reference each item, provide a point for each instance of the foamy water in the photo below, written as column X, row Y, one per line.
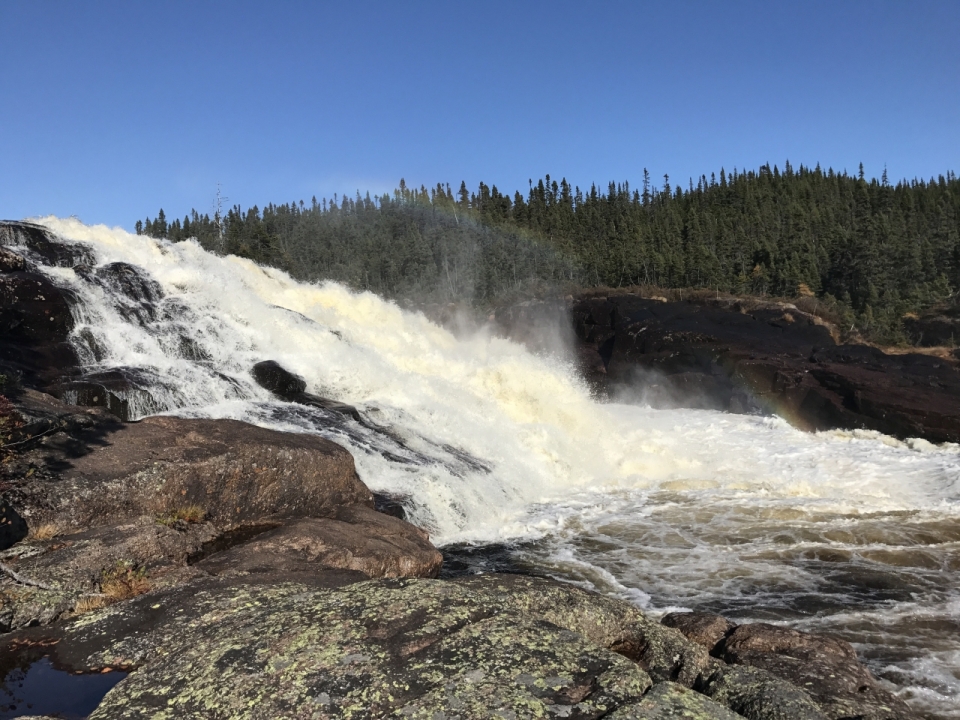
column 856, row 534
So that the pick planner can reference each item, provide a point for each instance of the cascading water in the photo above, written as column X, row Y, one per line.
column 854, row 534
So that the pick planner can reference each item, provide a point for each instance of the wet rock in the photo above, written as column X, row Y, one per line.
column 390, row 505
column 11, row 262
column 703, row 628
column 271, row 376
column 124, row 392
column 357, row 538
column 414, row 648
column 43, row 246
column 759, row 695
column 670, row 701
column 283, row 383
column 32, row 309
column 35, row 322
column 134, row 294
column 826, row 668
column 233, row 471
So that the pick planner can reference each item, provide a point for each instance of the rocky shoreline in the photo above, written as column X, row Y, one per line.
column 288, row 595
column 227, row 570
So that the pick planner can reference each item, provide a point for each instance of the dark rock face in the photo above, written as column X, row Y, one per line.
column 35, row 317
column 271, row 376
column 826, row 669
column 767, row 358
column 234, row 471
column 42, row 246
column 11, row 262
column 283, row 383
column 137, row 296
column 35, row 320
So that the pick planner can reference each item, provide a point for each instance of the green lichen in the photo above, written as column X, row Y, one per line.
column 671, row 701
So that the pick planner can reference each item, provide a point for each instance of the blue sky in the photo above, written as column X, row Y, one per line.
column 112, row 110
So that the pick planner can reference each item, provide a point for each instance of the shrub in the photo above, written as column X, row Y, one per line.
column 124, row 580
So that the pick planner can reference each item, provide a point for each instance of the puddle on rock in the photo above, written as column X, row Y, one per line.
column 42, row 689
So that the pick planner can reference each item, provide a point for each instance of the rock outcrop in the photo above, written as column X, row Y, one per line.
column 356, row 538
column 414, row 648
column 35, row 317
column 92, row 500
column 233, row 471
column 753, row 356
column 492, row 646
column 271, row 376
column 825, row 668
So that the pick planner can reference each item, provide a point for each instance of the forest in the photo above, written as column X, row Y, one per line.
column 870, row 250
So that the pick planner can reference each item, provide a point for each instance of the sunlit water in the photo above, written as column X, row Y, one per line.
column 854, row 534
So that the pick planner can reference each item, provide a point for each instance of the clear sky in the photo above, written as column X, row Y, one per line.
column 111, row 110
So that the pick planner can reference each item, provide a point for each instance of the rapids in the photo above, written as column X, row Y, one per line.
column 851, row 533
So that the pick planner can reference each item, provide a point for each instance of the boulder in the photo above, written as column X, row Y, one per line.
column 758, row 695
column 826, row 668
column 705, row 629
column 670, row 701
column 357, row 538
column 271, row 376
column 282, row 383
column 233, row 471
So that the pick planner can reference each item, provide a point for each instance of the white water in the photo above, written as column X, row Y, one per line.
column 852, row 533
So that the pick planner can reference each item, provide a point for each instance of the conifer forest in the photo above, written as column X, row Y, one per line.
column 869, row 250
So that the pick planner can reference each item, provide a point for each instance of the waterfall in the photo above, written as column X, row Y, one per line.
column 486, row 442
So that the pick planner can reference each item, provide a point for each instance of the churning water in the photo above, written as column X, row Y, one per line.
column 854, row 534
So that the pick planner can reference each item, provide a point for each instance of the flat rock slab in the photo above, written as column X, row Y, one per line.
column 235, row 472
column 357, row 538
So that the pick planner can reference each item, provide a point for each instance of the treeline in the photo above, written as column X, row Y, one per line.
column 872, row 250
